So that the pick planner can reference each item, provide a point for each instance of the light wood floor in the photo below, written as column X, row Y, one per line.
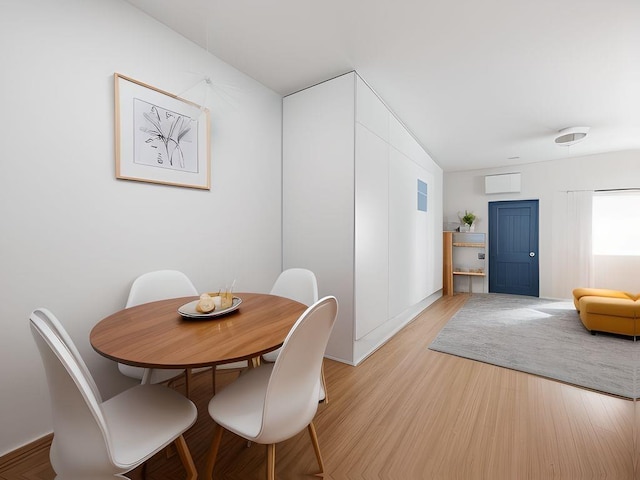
column 410, row 413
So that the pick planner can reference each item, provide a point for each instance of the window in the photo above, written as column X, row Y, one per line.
column 422, row 196
column 616, row 223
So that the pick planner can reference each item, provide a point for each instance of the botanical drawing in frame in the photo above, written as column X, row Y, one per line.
column 159, row 137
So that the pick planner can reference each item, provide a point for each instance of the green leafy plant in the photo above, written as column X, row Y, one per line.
column 468, row 218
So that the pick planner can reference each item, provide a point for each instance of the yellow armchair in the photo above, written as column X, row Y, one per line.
column 604, row 310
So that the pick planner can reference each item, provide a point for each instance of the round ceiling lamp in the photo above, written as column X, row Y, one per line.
column 571, row 136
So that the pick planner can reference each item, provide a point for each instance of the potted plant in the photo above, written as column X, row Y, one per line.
column 468, row 220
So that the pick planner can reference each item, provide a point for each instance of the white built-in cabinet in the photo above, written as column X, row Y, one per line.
column 350, row 175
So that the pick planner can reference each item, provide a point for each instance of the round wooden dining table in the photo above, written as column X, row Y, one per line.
column 155, row 335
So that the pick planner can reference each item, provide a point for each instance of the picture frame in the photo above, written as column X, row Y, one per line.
column 160, row 137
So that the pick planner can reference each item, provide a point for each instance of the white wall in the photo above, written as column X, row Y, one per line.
column 548, row 182
column 73, row 237
column 318, row 222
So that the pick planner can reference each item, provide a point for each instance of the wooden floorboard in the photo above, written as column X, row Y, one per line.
column 408, row 412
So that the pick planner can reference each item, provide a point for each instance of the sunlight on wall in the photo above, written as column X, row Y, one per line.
column 616, row 223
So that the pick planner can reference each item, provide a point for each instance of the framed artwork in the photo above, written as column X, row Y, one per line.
column 159, row 137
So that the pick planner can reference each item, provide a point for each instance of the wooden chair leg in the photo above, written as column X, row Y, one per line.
column 316, row 446
column 213, row 378
column 146, row 376
column 170, row 451
column 213, row 453
column 187, row 459
column 271, row 461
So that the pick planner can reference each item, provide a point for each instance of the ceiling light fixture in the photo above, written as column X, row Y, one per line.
column 571, row 136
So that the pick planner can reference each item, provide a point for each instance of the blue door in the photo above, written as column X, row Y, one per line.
column 513, row 247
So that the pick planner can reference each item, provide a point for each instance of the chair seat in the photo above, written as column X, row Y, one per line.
column 241, row 403
column 271, row 356
column 233, row 365
column 159, row 375
column 145, row 407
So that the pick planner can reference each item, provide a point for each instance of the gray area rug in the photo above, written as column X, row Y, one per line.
column 543, row 337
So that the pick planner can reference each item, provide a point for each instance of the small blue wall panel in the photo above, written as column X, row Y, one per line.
column 422, row 196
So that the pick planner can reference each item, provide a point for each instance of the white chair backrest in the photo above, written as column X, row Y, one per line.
column 160, row 285
column 151, row 287
column 52, row 321
column 80, row 431
column 292, row 394
column 298, row 284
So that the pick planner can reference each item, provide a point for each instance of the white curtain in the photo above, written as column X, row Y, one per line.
column 579, row 239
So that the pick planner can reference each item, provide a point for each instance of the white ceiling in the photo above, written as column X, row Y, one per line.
column 477, row 82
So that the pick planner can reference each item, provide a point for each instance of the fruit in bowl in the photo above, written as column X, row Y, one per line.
column 206, row 304
column 222, row 299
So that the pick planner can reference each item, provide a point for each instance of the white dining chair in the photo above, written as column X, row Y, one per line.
column 301, row 285
column 150, row 287
column 54, row 324
column 97, row 439
column 161, row 285
column 275, row 401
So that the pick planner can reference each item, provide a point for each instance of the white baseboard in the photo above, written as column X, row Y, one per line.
column 378, row 337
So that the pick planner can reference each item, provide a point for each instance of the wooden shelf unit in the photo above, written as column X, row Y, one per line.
column 448, row 271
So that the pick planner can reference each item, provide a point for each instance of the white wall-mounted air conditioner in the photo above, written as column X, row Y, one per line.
column 504, row 183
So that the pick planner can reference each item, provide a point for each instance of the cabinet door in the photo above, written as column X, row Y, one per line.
column 411, row 245
column 371, row 231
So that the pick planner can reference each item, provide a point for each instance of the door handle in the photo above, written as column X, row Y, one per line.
column 532, row 254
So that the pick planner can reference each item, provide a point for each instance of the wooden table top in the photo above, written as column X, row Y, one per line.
column 155, row 335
